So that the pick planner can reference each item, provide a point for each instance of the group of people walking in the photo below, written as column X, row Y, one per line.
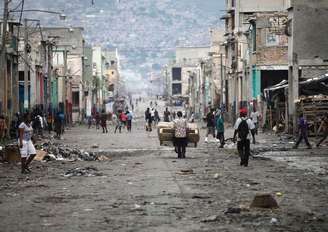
column 119, row 121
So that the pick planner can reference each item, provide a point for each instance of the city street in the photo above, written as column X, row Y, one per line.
column 163, row 116
column 141, row 186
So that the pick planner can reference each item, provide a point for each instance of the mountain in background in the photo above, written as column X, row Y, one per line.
column 146, row 32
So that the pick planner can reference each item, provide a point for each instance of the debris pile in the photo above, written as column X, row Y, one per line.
column 56, row 151
column 86, row 171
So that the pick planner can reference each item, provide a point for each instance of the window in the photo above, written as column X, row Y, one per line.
column 176, row 89
column 176, row 74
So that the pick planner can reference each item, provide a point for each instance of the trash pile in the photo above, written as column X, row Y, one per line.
column 57, row 151
column 86, row 171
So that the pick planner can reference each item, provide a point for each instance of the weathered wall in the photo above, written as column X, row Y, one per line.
column 310, row 30
column 262, row 5
column 271, row 42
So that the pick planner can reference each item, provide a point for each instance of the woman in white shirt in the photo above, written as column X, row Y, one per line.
column 27, row 149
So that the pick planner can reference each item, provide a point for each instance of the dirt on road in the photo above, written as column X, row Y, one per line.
column 148, row 189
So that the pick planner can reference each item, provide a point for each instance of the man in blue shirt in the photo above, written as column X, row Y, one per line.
column 303, row 132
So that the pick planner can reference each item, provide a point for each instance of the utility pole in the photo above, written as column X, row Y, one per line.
column 3, row 64
column 48, row 96
column 26, row 66
column 221, row 76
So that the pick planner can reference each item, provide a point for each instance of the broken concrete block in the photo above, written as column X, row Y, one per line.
column 264, row 201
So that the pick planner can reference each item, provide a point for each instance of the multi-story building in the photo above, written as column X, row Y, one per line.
column 237, row 23
column 69, row 45
column 185, row 81
column 9, row 70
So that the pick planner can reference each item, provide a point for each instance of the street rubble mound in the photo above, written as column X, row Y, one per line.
column 57, row 151
column 264, row 200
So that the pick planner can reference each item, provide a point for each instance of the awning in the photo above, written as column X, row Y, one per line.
column 309, row 87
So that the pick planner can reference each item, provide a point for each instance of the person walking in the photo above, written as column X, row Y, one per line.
column 324, row 124
column 220, row 129
column 58, row 125
column 97, row 118
column 303, row 132
column 129, row 120
column 26, row 146
column 117, row 123
column 90, row 122
column 149, row 120
column 255, row 116
column 210, row 120
column 180, row 135
column 242, row 127
column 167, row 115
column 50, row 121
column 156, row 117
column 103, row 121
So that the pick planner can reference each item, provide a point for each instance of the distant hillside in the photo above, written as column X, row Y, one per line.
column 145, row 31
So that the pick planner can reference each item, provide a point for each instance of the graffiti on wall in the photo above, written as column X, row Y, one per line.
column 275, row 35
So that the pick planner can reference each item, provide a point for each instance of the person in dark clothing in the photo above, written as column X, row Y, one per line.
column 149, row 120
column 97, row 118
column 325, row 128
column 303, row 132
column 220, row 129
column 58, row 125
column 156, row 117
column 167, row 115
column 242, row 127
column 89, row 122
column 210, row 120
column 103, row 121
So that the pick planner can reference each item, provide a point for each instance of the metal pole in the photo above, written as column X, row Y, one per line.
column 26, row 67
column 48, row 97
column 64, row 82
column 221, row 76
column 3, row 64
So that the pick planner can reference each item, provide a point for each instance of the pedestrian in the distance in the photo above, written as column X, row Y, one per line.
column 156, row 117
column 89, row 122
column 167, row 115
column 97, row 118
column 129, row 121
column 103, row 121
column 124, row 119
column 50, row 121
column 324, row 125
column 149, row 120
column 180, row 135
column 255, row 116
column 243, row 127
column 210, row 121
column 220, row 129
column 303, row 132
column 58, row 125
column 26, row 146
column 117, row 123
